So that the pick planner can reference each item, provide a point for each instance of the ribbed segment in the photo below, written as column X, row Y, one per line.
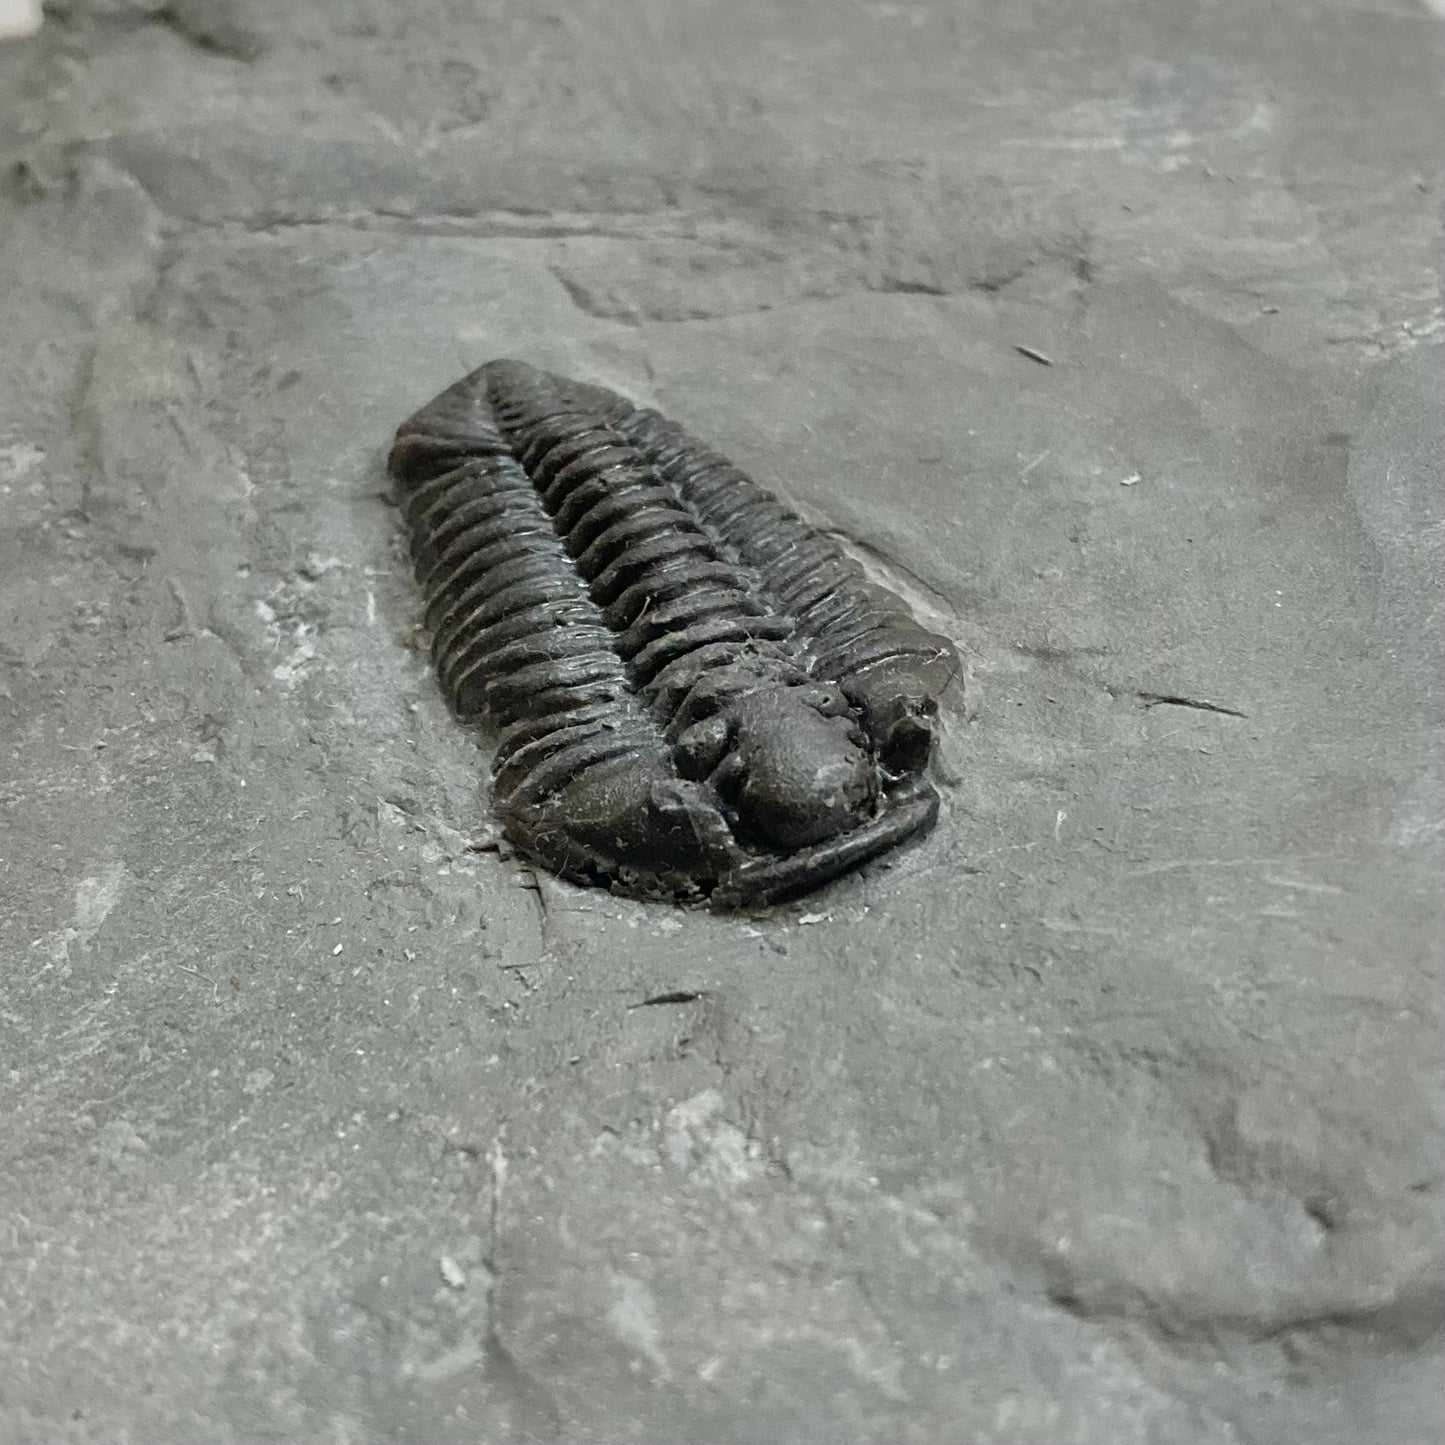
column 515, row 636
column 666, row 589
column 850, row 624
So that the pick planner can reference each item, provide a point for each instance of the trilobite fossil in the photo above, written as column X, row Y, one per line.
column 694, row 694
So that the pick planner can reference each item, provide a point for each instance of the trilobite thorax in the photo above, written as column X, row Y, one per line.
column 694, row 693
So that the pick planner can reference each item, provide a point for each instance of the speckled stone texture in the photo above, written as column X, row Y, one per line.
column 1109, row 1114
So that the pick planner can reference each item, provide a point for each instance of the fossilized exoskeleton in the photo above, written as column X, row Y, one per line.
column 695, row 694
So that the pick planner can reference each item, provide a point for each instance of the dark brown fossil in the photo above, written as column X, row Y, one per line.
column 695, row 695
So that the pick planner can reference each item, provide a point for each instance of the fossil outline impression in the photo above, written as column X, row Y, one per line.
column 695, row 694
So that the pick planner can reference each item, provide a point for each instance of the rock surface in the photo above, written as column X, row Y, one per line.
column 1112, row 1113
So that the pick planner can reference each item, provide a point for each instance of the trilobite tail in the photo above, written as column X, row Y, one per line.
column 455, row 427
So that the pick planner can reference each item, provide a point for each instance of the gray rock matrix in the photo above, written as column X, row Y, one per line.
column 1110, row 337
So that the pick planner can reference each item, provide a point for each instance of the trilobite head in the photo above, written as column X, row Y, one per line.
column 799, row 776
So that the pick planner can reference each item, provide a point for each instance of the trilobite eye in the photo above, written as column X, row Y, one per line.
column 703, row 746
column 828, row 701
column 905, row 728
column 906, row 748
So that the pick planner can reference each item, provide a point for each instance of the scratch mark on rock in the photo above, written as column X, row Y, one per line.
column 675, row 996
column 1160, row 699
